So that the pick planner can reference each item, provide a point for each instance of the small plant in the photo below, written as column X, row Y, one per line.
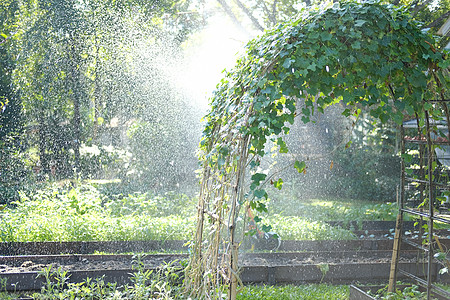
column 408, row 293
column 324, row 268
column 441, row 257
column 146, row 284
column 4, row 294
column 3, row 283
column 290, row 292
column 55, row 282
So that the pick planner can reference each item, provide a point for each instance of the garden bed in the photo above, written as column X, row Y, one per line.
column 337, row 267
column 56, row 248
column 358, row 292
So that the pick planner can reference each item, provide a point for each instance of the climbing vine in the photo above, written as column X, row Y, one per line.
column 363, row 55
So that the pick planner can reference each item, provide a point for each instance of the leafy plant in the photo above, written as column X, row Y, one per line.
column 55, row 282
column 324, row 268
column 58, row 213
column 83, row 214
column 303, row 292
column 4, row 294
column 408, row 293
column 146, row 284
column 296, row 228
column 362, row 55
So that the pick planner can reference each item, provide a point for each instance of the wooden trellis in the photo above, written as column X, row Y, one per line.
column 316, row 59
column 215, row 249
column 426, row 178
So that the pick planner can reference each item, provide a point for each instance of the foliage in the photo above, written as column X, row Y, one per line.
column 370, row 167
column 331, row 56
column 361, row 55
column 83, row 214
column 307, row 292
column 265, row 14
column 164, row 284
column 362, row 174
column 407, row 293
column 13, row 174
column 146, row 284
column 104, row 162
column 10, row 110
column 162, row 149
column 81, row 74
column 164, row 205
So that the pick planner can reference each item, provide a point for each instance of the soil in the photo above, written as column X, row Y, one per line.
column 79, row 263
column 100, row 262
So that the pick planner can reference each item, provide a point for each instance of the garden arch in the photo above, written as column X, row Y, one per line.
column 363, row 55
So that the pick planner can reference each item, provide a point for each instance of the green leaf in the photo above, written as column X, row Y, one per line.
column 300, row 166
column 407, row 157
column 326, row 36
column 266, row 228
column 356, row 45
column 262, row 82
column 278, row 184
column 287, row 63
column 282, row 144
column 258, row 177
column 360, row 23
column 433, row 165
column 440, row 256
column 384, row 117
column 260, row 194
column 312, row 66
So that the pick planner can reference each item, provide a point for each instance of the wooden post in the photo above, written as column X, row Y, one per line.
column 399, row 223
column 234, row 272
column 430, row 205
column 395, row 254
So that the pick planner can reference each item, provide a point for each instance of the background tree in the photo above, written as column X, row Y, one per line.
column 12, row 170
column 94, row 88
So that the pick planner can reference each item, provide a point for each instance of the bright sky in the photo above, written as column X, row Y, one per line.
column 209, row 53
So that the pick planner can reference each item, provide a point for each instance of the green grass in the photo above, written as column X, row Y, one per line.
column 332, row 209
column 298, row 228
column 290, row 292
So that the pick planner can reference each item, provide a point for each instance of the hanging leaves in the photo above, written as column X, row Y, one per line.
column 363, row 55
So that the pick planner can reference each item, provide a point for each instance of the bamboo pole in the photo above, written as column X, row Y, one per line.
column 430, row 205
column 399, row 223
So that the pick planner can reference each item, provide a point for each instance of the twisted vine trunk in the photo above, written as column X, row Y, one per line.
column 214, row 257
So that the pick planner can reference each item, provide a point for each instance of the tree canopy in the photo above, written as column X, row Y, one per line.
column 85, row 82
